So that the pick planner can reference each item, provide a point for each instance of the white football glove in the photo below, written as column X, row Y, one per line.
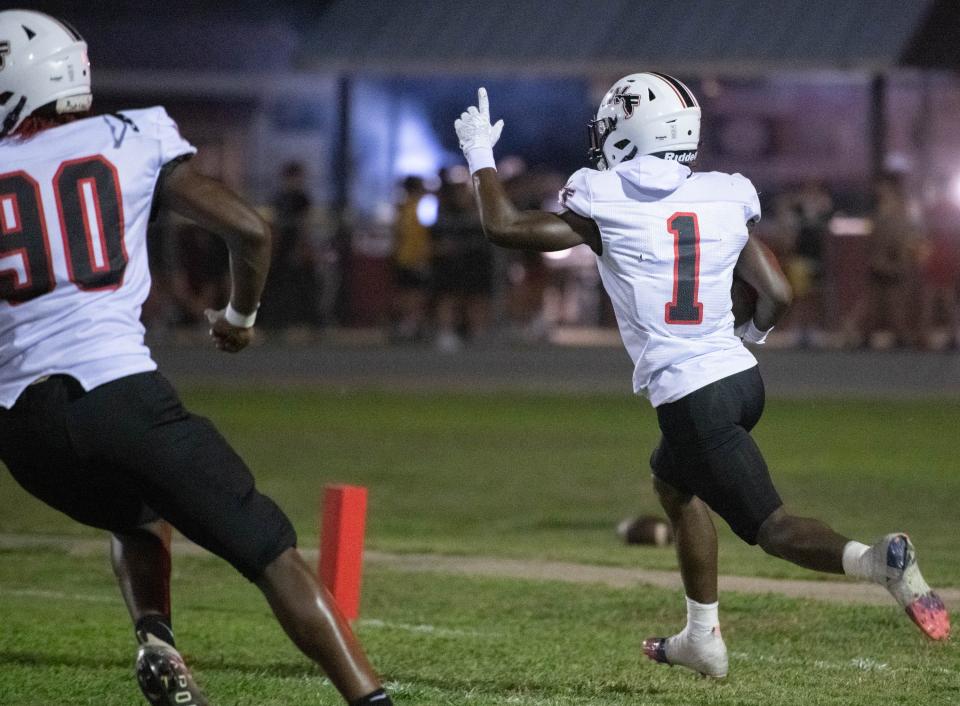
column 477, row 136
column 749, row 333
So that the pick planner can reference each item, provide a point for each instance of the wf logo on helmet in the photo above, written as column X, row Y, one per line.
column 4, row 50
column 629, row 101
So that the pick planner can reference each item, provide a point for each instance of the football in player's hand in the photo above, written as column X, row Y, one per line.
column 645, row 529
column 744, row 301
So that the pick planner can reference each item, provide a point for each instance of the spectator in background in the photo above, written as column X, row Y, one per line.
column 813, row 210
column 893, row 249
column 292, row 295
column 528, row 276
column 462, row 267
column 940, row 270
column 411, row 261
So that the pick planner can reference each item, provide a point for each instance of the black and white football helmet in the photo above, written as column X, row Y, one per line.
column 43, row 61
column 645, row 113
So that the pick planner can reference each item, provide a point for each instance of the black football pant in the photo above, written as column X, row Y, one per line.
column 127, row 453
column 707, row 451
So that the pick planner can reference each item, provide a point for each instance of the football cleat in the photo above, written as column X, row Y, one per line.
column 163, row 677
column 706, row 655
column 895, row 567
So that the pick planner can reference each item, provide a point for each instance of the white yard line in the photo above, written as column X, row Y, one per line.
column 63, row 596
column 423, row 629
column 856, row 664
column 846, row 592
column 369, row 623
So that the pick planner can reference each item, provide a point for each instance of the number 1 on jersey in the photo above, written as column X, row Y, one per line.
column 684, row 307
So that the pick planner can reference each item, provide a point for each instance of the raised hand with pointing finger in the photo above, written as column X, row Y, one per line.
column 477, row 136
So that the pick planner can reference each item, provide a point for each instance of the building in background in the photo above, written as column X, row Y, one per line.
column 364, row 94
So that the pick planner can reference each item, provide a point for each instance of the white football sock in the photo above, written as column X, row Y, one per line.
column 702, row 618
column 856, row 561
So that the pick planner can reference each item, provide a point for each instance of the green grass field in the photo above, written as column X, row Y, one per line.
column 518, row 476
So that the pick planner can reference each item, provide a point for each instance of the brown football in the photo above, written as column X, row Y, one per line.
column 645, row 529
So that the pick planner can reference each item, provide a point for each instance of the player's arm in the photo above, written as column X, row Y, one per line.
column 758, row 267
column 533, row 230
column 502, row 222
column 216, row 208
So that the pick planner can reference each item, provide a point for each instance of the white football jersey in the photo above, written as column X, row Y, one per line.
column 671, row 239
column 74, row 205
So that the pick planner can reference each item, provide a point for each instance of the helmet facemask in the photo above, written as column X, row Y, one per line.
column 597, row 132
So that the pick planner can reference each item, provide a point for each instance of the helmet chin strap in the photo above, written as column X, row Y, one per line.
column 13, row 117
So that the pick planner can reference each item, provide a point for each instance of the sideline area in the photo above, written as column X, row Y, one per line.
column 365, row 362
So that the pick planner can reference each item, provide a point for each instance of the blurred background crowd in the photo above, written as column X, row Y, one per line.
column 885, row 275
column 342, row 133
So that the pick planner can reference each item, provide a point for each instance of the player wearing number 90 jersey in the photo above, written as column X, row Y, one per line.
column 73, row 251
column 668, row 243
column 87, row 424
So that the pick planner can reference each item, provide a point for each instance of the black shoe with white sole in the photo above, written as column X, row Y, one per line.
column 164, row 678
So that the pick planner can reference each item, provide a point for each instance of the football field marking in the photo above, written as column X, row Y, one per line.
column 423, row 629
column 57, row 595
column 857, row 664
column 373, row 623
column 840, row 591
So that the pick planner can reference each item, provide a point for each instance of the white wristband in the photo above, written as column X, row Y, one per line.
column 235, row 318
column 480, row 158
column 751, row 334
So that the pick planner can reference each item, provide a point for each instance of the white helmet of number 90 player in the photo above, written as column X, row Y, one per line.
column 43, row 62
column 645, row 113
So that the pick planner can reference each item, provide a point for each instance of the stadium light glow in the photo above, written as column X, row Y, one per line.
column 427, row 209
column 418, row 150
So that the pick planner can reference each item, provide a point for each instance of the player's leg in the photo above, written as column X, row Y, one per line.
column 141, row 563
column 58, row 470
column 311, row 619
column 890, row 562
column 193, row 479
column 706, row 452
column 802, row 541
column 699, row 645
column 735, row 482
column 733, row 479
column 695, row 538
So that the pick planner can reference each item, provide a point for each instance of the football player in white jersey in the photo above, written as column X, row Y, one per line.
column 669, row 242
column 86, row 423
